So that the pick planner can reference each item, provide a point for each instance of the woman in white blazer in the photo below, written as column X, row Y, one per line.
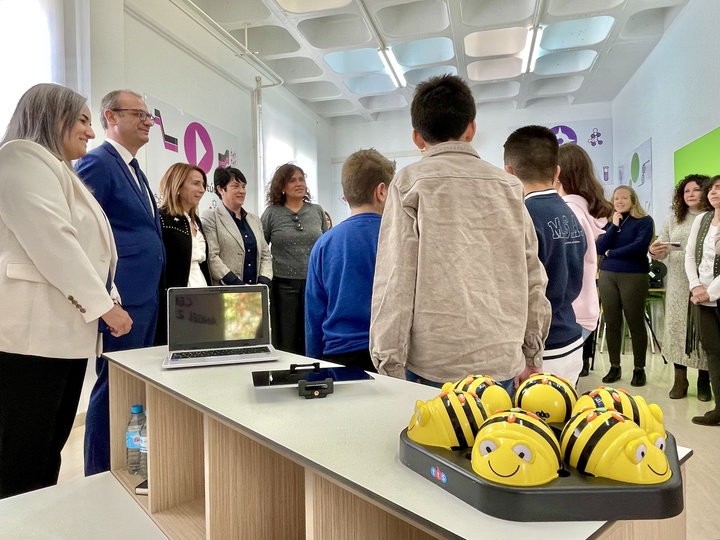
column 239, row 253
column 57, row 259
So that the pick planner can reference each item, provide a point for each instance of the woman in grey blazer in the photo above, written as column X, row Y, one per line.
column 57, row 265
column 238, row 251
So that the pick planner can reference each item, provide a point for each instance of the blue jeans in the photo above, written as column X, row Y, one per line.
column 508, row 385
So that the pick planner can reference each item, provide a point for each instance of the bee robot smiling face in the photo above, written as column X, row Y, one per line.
column 450, row 420
column 604, row 443
column 516, row 448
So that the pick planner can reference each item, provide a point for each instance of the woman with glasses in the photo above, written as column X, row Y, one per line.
column 57, row 270
column 186, row 251
column 239, row 254
column 292, row 225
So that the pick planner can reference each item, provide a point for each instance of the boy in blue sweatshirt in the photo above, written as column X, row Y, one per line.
column 531, row 154
column 340, row 277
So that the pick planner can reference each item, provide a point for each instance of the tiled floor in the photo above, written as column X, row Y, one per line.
column 703, row 468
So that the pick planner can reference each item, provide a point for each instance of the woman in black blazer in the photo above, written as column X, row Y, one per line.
column 186, row 251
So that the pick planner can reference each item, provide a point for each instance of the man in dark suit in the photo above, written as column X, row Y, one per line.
column 114, row 176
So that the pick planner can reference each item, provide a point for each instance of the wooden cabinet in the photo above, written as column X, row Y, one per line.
column 206, row 479
column 227, row 461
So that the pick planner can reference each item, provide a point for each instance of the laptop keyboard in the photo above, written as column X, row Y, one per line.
column 221, row 352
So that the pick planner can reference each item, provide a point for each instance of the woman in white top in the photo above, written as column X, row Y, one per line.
column 702, row 266
column 57, row 265
column 186, row 251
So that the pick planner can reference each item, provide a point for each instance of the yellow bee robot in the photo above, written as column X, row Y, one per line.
column 648, row 416
column 516, row 448
column 604, row 443
column 494, row 396
column 449, row 420
column 551, row 397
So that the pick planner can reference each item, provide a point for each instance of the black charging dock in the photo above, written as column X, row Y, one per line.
column 571, row 497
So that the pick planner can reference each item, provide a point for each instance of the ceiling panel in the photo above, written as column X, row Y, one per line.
column 513, row 53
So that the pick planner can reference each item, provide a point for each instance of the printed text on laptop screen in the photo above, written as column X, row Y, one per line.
column 218, row 317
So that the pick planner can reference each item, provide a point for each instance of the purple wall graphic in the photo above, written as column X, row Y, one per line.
column 197, row 136
column 564, row 134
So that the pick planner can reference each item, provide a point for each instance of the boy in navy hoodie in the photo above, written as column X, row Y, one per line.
column 531, row 154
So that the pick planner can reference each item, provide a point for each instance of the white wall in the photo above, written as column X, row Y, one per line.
column 391, row 135
column 159, row 50
column 672, row 97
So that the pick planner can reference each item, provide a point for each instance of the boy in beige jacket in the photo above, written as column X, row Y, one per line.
column 458, row 288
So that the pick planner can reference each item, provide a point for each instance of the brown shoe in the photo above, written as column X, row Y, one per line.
column 680, row 387
column 710, row 418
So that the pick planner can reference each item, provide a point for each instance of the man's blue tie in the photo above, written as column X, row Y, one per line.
column 144, row 188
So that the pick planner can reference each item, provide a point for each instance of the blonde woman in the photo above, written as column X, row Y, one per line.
column 623, row 281
column 186, row 251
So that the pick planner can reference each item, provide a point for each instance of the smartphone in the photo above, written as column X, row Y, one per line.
column 289, row 378
column 674, row 246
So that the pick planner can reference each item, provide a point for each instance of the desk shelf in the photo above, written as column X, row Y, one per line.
column 228, row 461
column 176, row 479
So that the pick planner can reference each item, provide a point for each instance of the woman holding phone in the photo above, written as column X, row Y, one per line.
column 679, row 345
column 623, row 282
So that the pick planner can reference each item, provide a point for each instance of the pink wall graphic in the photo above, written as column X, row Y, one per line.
column 181, row 137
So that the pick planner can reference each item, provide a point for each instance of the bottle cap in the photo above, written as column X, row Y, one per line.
column 135, row 409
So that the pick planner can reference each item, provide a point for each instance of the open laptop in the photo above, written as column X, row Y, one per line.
column 210, row 326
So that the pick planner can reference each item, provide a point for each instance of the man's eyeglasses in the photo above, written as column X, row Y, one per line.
column 144, row 116
column 298, row 225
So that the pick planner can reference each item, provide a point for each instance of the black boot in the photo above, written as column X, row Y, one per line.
column 680, row 387
column 586, row 368
column 710, row 418
column 703, row 386
column 613, row 375
column 638, row 378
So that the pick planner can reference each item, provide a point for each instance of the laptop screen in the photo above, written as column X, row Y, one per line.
column 218, row 317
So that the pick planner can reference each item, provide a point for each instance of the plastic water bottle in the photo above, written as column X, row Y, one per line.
column 143, row 449
column 132, row 438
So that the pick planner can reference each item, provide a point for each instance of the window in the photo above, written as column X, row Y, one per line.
column 31, row 49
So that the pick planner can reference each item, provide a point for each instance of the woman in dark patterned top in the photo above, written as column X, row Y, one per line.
column 292, row 225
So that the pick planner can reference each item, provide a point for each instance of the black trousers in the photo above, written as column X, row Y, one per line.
column 38, row 402
column 708, row 319
column 624, row 293
column 287, row 314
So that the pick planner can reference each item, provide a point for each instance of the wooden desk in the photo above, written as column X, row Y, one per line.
column 82, row 509
column 228, row 461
